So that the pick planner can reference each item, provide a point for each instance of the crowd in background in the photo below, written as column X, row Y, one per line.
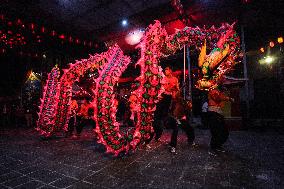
column 15, row 114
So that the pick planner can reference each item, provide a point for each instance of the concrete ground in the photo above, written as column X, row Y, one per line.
column 254, row 160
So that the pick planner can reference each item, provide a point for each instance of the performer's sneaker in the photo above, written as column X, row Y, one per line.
column 193, row 145
column 212, row 152
column 173, row 150
column 158, row 140
column 148, row 147
column 221, row 149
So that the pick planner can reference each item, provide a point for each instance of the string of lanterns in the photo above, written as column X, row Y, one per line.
column 16, row 34
column 272, row 44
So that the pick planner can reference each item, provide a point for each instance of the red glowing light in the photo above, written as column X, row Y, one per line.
column 62, row 36
column 42, row 29
column 53, row 33
column 271, row 44
column 19, row 22
column 32, row 26
column 70, row 39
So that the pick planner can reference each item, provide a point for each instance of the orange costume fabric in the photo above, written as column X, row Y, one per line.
column 84, row 110
column 215, row 100
column 74, row 107
column 171, row 85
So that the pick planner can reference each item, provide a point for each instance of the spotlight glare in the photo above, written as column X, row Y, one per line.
column 134, row 37
column 124, row 22
column 268, row 60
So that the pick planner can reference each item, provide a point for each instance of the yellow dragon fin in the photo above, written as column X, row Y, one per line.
column 202, row 55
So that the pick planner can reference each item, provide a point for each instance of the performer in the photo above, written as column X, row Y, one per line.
column 216, row 122
column 132, row 104
column 179, row 115
column 204, row 109
column 73, row 118
column 171, row 86
column 83, row 115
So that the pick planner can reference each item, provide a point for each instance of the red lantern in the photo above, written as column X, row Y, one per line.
column 32, row 26
column 70, row 39
column 19, row 22
column 62, row 36
column 42, row 29
column 53, row 33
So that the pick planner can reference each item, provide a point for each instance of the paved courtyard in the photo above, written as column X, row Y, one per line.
column 254, row 160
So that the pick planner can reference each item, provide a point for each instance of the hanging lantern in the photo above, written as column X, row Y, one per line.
column 43, row 29
column 280, row 40
column 62, row 36
column 32, row 26
column 261, row 50
column 38, row 39
column 19, row 22
column 53, row 33
column 70, row 39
